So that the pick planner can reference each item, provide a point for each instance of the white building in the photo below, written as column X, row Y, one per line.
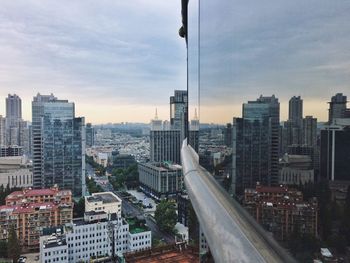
column 91, row 237
column 105, row 201
column 15, row 171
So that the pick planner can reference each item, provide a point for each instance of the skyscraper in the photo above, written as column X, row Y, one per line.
column 293, row 126
column 296, row 111
column 13, row 107
column 2, row 130
column 309, row 131
column 178, row 111
column 58, row 144
column 90, row 135
column 13, row 119
column 337, row 107
column 255, row 146
column 335, row 157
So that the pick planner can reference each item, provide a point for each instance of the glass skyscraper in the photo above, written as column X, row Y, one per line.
column 58, row 145
column 256, row 144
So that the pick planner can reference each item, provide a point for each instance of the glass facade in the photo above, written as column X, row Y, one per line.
column 59, row 145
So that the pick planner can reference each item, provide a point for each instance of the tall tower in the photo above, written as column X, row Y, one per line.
column 58, row 144
column 13, row 107
column 337, row 107
column 178, row 111
column 296, row 111
column 255, row 139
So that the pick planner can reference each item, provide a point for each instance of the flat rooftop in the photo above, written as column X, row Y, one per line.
column 105, row 197
column 135, row 226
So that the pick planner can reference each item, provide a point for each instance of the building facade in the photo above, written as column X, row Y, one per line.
column 30, row 211
column 15, row 172
column 160, row 179
column 255, row 148
column 282, row 211
column 58, row 144
column 101, row 234
column 337, row 108
column 335, row 153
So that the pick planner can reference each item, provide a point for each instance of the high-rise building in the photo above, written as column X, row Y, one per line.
column 335, row 157
column 58, row 145
column 293, row 126
column 2, row 131
column 178, row 111
column 13, row 108
column 13, row 119
column 337, row 107
column 296, row 111
column 255, row 148
column 309, row 131
column 90, row 135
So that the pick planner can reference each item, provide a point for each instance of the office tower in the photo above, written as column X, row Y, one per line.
column 90, row 135
column 165, row 145
column 309, row 131
column 58, row 145
column 13, row 108
column 2, row 131
column 296, row 111
column 255, row 148
column 178, row 111
column 335, row 153
column 293, row 126
column 337, row 108
column 228, row 135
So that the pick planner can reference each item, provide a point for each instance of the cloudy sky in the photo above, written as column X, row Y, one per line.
column 119, row 60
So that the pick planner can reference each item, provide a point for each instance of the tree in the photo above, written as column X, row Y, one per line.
column 3, row 249
column 13, row 246
column 79, row 208
column 165, row 216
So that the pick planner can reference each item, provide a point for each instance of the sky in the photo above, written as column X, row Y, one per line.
column 120, row 60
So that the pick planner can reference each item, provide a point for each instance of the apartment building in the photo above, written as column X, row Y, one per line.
column 282, row 211
column 95, row 235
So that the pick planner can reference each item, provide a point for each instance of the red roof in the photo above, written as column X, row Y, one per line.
column 28, row 207
column 271, row 189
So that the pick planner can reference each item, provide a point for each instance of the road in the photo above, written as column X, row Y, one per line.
column 130, row 209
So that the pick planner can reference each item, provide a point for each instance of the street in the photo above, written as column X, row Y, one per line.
column 130, row 209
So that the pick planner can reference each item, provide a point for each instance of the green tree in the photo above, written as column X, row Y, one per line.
column 79, row 208
column 165, row 216
column 13, row 246
column 3, row 249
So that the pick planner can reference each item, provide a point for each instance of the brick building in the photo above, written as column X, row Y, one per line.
column 282, row 211
column 30, row 211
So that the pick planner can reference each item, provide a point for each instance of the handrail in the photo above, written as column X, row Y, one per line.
column 232, row 234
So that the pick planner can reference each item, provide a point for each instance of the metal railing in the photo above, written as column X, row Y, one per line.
column 232, row 234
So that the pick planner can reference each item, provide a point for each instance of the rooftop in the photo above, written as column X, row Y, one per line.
column 105, row 197
column 136, row 226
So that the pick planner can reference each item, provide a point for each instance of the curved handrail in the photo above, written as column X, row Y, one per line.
column 232, row 234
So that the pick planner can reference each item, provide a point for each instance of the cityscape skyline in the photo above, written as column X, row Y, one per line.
column 144, row 114
column 97, row 55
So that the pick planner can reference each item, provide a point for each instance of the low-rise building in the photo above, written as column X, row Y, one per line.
column 296, row 169
column 29, row 211
column 94, row 236
column 105, row 201
column 282, row 211
column 160, row 179
column 48, row 195
column 15, row 172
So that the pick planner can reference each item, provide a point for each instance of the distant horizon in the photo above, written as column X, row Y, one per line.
column 148, row 112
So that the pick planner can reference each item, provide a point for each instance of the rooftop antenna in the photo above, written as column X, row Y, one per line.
column 195, row 114
column 156, row 117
